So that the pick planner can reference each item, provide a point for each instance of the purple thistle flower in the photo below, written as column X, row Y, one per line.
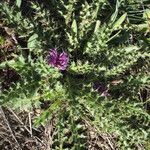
column 101, row 88
column 59, row 60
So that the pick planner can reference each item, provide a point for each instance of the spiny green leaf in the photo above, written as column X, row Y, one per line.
column 97, row 26
column 115, row 14
column 48, row 113
column 18, row 3
column 119, row 21
column 146, row 14
column 32, row 41
column 74, row 26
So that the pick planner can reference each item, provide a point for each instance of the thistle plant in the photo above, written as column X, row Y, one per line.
column 96, row 73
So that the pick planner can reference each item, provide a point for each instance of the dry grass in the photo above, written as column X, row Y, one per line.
column 17, row 133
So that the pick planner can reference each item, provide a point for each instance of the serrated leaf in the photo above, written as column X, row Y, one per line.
column 131, row 48
column 142, row 27
column 74, row 26
column 119, row 21
column 2, row 65
column 32, row 41
column 146, row 14
column 18, row 3
column 114, row 15
column 97, row 25
column 9, row 63
column 48, row 113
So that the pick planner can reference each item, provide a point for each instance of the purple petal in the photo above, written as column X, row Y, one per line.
column 62, row 61
column 52, row 58
column 59, row 60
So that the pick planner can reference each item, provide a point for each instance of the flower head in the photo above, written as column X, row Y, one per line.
column 59, row 60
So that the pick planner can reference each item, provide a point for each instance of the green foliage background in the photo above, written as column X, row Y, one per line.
column 107, row 41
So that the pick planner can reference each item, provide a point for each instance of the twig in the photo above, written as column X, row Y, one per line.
column 48, row 130
column 30, row 123
column 96, row 129
column 26, row 126
column 4, row 116
column 40, row 140
column 18, row 119
column 110, row 143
